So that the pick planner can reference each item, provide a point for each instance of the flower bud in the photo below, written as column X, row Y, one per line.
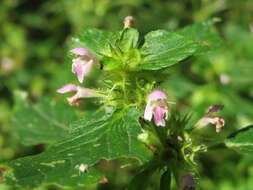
column 129, row 22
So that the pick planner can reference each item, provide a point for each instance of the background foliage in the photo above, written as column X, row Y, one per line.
column 34, row 41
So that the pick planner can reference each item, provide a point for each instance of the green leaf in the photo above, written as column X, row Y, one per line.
column 45, row 122
column 241, row 140
column 162, row 49
column 107, row 136
column 128, row 39
column 202, row 34
column 96, row 41
column 141, row 180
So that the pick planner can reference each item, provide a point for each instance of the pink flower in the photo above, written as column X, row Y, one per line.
column 217, row 121
column 82, row 65
column 80, row 93
column 157, row 107
column 80, row 52
column 209, row 118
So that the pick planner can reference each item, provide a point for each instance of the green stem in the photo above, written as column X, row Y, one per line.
column 124, row 86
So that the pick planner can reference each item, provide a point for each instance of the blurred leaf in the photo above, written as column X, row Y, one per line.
column 142, row 179
column 178, row 86
column 45, row 122
column 242, row 140
column 107, row 136
column 201, row 34
column 165, row 181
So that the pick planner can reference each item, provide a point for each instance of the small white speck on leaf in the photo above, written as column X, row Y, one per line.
column 82, row 168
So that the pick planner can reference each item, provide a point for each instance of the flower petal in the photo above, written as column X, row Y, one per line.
column 218, row 122
column 148, row 112
column 159, row 114
column 87, row 68
column 73, row 100
column 87, row 93
column 157, row 95
column 67, row 88
column 80, row 52
column 78, row 68
column 82, row 93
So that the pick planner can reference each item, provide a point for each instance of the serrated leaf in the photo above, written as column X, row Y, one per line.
column 202, row 34
column 162, row 49
column 96, row 41
column 107, row 136
column 44, row 122
column 241, row 140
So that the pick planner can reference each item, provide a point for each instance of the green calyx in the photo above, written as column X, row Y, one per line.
column 123, row 54
column 172, row 145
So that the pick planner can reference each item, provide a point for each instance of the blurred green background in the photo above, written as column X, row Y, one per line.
column 34, row 39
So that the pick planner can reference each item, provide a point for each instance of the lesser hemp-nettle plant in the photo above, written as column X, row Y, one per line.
column 133, row 119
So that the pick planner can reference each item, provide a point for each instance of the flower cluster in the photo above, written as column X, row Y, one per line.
column 81, row 66
column 156, row 108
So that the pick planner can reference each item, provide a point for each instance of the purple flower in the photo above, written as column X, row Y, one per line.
column 80, row 93
column 210, row 118
column 157, row 107
column 82, row 65
column 215, row 108
column 187, row 182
